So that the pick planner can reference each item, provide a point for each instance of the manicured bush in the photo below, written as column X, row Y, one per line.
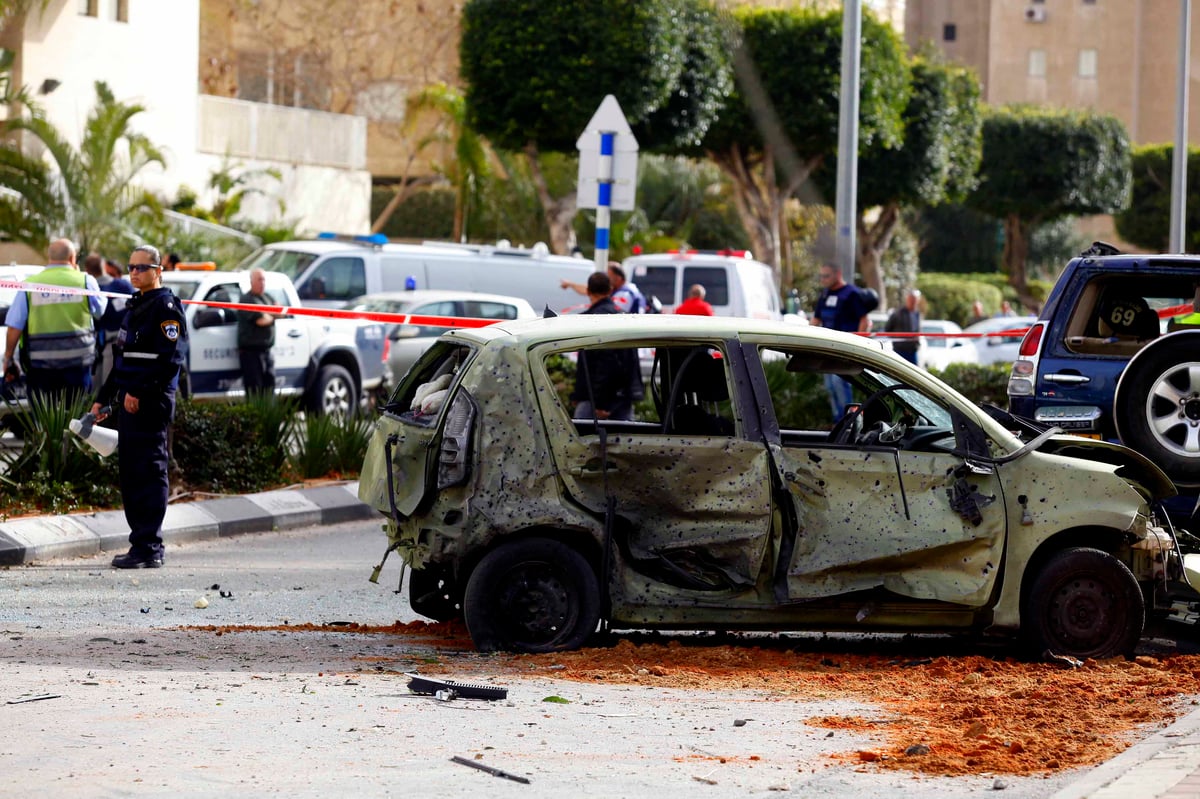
column 221, row 448
column 978, row 383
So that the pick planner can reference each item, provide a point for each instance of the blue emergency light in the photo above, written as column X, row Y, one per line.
column 377, row 239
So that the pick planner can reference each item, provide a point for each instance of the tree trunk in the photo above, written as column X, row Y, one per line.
column 1016, row 254
column 756, row 200
column 873, row 242
column 559, row 213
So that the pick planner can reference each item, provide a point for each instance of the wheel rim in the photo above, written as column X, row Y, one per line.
column 535, row 604
column 336, row 398
column 1173, row 410
column 1083, row 614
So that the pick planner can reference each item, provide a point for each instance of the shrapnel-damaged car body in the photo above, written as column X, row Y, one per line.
column 715, row 508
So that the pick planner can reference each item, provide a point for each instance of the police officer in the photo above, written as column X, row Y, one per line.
column 150, row 350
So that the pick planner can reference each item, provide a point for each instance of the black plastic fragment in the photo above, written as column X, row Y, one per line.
column 463, row 690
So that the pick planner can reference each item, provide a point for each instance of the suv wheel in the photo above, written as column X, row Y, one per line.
column 1157, row 406
column 334, row 393
column 1084, row 603
column 533, row 595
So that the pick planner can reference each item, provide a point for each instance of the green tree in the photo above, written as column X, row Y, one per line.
column 936, row 162
column 536, row 70
column 1040, row 165
column 1147, row 221
column 781, row 123
column 85, row 193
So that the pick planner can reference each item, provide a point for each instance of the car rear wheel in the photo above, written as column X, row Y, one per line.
column 1157, row 406
column 1084, row 603
column 334, row 393
column 533, row 595
column 433, row 595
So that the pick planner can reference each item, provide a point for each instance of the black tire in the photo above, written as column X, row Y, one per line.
column 1084, row 603
column 1156, row 407
column 433, row 595
column 334, row 393
column 533, row 595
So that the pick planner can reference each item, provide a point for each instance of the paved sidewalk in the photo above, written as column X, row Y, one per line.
column 42, row 537
column 1164, row 766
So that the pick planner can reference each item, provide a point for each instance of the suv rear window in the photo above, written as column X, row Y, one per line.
column 657, row 281
column 715, row 280
column 1117, row 314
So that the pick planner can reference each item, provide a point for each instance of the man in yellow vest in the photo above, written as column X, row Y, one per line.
column 56, row 329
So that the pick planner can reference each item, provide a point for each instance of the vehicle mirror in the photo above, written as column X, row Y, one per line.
column 210, row 317
column 404, row 331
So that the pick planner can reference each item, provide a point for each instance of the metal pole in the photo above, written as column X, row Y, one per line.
column 1179, row 160
column 604, row 169
column 847, row 177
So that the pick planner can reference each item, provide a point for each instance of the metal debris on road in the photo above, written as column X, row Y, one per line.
column 463, row 690
column 38, row 698
column 495, row 772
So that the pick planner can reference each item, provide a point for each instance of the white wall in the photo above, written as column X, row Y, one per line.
column 153, row 60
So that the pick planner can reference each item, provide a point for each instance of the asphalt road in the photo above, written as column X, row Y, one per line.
column 145, row 706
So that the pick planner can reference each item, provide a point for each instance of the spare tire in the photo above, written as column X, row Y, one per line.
column 1156, row 407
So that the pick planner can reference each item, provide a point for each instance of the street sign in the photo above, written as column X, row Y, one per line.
column 608, row 119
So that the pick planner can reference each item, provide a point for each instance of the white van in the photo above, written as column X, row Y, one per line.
column 330, row 271
column 735, row 284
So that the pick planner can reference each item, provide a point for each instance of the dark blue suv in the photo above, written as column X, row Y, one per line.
column 1115, row 355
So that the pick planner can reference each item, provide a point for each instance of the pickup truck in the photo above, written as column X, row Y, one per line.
column 333, row 364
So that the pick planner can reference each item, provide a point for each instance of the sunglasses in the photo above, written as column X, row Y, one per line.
column 143, row 267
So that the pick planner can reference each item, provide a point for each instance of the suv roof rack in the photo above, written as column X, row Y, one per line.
column 1099, row 249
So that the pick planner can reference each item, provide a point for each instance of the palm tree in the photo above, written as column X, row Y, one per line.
column 85, row 193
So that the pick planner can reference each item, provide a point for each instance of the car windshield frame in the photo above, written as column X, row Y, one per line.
column 275, row 259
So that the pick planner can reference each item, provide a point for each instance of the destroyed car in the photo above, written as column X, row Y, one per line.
column 719, row 507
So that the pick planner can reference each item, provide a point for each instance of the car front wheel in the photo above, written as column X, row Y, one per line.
column 1084, row 603
column 1157, row 406
column 334, row 393
column 532, row 595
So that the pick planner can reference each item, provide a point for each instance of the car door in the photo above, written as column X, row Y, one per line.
column 293, row 343
column 890, row 507
column 691, row 486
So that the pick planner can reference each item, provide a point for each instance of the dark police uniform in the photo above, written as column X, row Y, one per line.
column 150, row 350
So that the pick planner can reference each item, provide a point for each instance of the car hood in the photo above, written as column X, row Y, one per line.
column 1132, row 465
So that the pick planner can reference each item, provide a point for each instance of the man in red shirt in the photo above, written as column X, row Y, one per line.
column 695, row 305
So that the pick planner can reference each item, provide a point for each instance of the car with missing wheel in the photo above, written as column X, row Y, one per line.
column 720, row 505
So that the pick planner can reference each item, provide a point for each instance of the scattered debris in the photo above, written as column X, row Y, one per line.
column 424, row 685
column 999, row 784
column 227, row 595
column 1066, row 661
column 215, row 587
column 37, row 698
column 200, row 603
column 917, row 749
column 145, row 610
column 495, row 772
column 558, row 700
column 739, row 722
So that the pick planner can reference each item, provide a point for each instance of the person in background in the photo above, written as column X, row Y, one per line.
column 1006, row 309
column 906, row 320
column 625, row 295
column 607, row 381
column 171, row 263
column 255, row 338
column 113, row 269
column 977, row 313
column 840, row 306
column 150, row 351
column 695, row 304
column 56, row 331
column 109, row 325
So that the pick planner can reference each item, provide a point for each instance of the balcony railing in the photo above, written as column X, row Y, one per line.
column 278, row 133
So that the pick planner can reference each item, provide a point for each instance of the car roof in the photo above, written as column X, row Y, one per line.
column 322, row 246
column 944, row 325
column 1000, row 323
column 435, row 295
column 539, row 330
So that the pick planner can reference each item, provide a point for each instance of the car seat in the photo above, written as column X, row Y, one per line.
column 1128, row 319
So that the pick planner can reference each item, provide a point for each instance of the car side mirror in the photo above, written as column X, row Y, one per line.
column 210, row 317
column 404, row 331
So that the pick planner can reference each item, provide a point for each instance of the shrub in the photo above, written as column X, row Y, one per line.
column 978, row 383
column 221, row 448
column 950, row 296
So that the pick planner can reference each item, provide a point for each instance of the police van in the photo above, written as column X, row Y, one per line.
column 332, row 270
column 734, row 283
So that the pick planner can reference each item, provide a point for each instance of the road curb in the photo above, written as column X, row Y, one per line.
column 43, row 537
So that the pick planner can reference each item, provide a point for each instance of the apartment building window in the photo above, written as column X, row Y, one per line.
column 293, row 79
column 1087, row 63
column 89, row 8
column 121, row 10
column 1037, row 63
column 949, row 32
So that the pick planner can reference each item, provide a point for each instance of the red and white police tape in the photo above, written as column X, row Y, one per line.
column 462, row 321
